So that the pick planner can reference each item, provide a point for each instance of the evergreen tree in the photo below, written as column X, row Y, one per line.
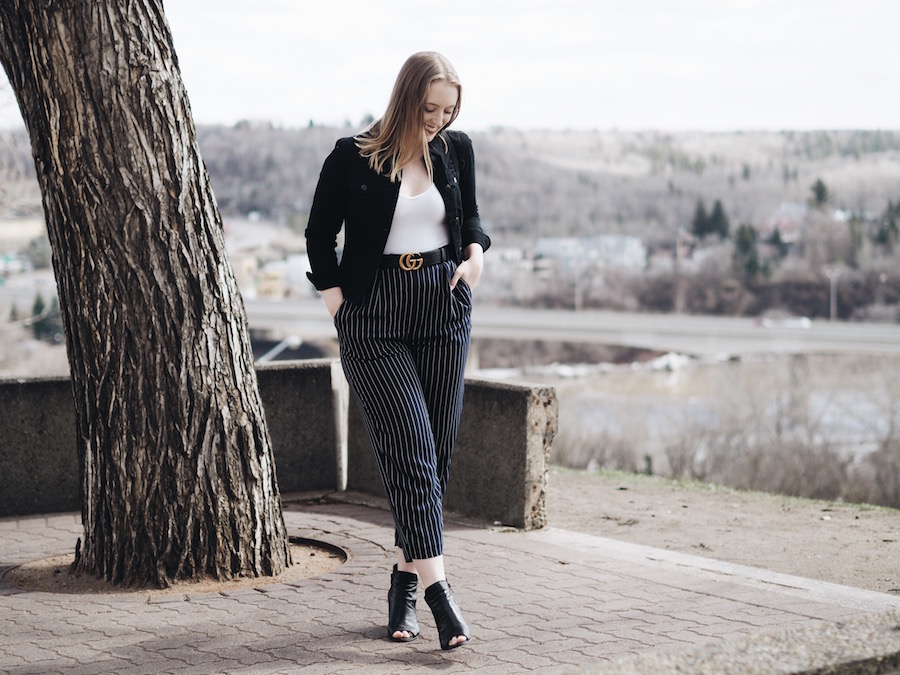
column 887, row 231
column 39, row 252
column 49, row 326
column 718, row 221
column 776, row 241
column 39, row 305
column 745, row 258
column 821, row 196
column 700, row 223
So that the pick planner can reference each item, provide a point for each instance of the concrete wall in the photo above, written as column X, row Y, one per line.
column 38, row 456
column 499, row 470
column 500, row 464
column 306, row 411
column 319, row 443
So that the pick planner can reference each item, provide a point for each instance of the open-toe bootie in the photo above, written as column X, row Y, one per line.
column 447, row 615
column 402, row 605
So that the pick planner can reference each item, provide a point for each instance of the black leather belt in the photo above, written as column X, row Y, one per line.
column 413, row 261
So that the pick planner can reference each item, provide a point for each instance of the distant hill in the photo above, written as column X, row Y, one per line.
column 552, row 183
column 648, row 183
column 559, row 183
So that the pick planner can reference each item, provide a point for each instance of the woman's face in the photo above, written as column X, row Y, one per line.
column 440, row 101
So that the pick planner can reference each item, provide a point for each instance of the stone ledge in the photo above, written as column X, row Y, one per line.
column 862, row 645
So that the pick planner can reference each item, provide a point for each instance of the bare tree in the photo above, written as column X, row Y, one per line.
column 879, row 479
column 177, row 469
column 7, row 156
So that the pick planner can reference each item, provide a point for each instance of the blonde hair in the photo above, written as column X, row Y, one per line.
column 397, row 138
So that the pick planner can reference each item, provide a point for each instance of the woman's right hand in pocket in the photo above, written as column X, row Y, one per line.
column 333, row 298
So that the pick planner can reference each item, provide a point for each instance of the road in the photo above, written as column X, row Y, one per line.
column 697, row 335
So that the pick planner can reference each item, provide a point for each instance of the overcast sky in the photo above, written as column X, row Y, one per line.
column 627, row 64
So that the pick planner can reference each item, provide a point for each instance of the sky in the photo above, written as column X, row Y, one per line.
column 712, row 65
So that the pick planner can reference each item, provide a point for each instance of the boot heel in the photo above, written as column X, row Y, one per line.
column 447, row 615
column 402, row 605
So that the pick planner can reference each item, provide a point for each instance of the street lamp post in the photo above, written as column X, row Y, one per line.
column 833, row 273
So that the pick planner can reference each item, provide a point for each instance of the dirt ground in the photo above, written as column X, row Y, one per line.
column 850, row 544
column 51, row 575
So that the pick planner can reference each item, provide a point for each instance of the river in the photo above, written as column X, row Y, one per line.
column 849, row 403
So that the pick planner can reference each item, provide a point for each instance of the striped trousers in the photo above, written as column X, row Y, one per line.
column 403, row 350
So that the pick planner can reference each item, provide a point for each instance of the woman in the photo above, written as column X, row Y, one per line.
column 404, row 192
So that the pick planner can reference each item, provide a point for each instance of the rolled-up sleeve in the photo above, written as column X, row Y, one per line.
column 326, row 217
column 472, row 231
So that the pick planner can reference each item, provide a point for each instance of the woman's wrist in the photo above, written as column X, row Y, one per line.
column 473, row 251
column 333, row 298
column 471, row 266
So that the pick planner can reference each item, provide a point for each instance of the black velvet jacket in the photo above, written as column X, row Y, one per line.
column 351, row 194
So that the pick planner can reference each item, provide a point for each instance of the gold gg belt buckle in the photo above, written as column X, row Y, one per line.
column 410, row 261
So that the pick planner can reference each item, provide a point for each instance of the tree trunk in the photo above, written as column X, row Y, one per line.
column 177, row 472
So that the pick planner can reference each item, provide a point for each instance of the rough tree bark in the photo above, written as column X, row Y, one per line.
column 177, row 471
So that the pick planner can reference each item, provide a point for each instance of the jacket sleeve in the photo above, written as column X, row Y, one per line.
column 326, row 217
column 472, row 232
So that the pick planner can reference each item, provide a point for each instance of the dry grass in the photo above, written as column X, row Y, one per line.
column 818, row 427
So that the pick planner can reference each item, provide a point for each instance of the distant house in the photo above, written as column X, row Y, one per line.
column 12, row 263
column 282, row 279
column 246, row 267
column 558, row 248
column 788, row 219
column 611, row 251
column 270, row 282
column 508, row 254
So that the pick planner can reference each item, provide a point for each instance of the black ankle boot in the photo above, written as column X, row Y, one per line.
column 402, row 605
column 447, row 615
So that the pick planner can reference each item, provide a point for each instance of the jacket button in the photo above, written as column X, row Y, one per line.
column 363, row 187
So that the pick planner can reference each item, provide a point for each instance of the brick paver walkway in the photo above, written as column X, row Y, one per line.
column 542, row 601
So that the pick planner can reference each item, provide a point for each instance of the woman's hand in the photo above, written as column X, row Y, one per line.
column 469, row 270
column 333, row 298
